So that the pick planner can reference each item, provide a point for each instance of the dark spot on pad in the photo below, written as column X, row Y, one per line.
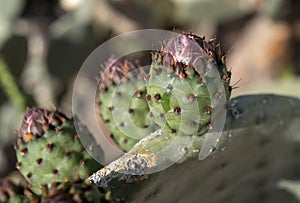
column 157, row 71
column 157, row 97
column 67, row 154
column 208, row 110
column 57, row 129
column 138, row 94
column 118, row 94
column 201, row 79
column 148, row 97
column 82, row 162
column 169, row 89
column 55, row 171
column 76, row 138
column 192, row 124
column 191, row 97
column 29, row 175
column 161, row 115
column 18, row 165
column 146, row 77
column 130, row 111
column 177, row 110
column 24, row 151
column 39, row 161
column 50, row 146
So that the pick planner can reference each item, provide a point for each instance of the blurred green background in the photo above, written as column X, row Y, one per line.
column 43, row 44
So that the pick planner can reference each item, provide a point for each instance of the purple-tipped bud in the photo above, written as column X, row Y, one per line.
column 36, row 121
column 119, row 71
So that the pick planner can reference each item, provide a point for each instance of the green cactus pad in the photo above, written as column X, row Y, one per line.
column 122, row 103
column 48, row 149
column 177, row 89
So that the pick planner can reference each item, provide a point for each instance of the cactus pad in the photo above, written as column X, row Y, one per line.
column 178, row 85
column 122, row 102
column 48, row 149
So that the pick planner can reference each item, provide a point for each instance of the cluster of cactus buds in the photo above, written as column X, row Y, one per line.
column 180, row 95
column 168, row 95
column 158, row 117
column 171, row 105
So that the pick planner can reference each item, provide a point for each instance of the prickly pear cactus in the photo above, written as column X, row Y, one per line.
column 253, row 161
column 75, row 192
column 48, row 149
column 177, row 86
column 257, row 149
column 181, row 95
column 122, row 103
